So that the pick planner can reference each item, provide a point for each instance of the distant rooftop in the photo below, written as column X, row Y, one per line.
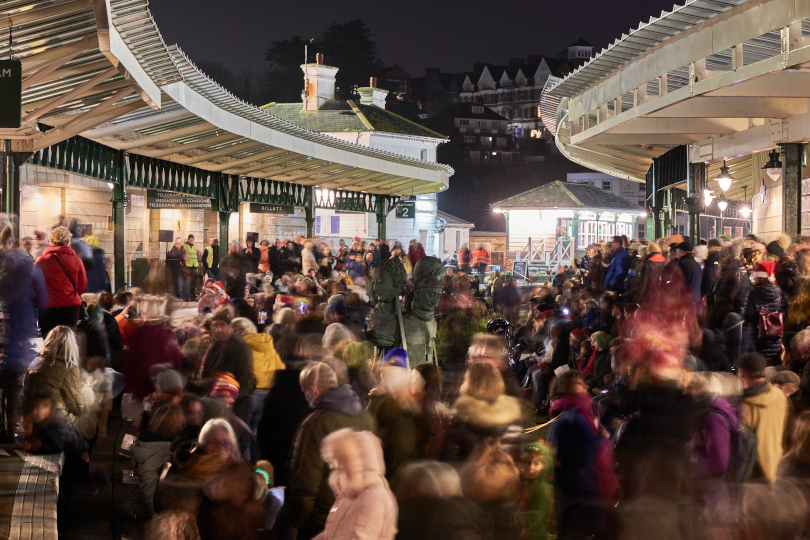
column 562, row 195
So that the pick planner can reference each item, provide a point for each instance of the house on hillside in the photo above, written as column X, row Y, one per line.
column 479, row 134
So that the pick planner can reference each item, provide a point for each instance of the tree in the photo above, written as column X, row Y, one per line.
column 350, row 47
column 286, row 79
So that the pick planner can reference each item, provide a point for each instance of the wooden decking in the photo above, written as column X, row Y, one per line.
column 29, row 487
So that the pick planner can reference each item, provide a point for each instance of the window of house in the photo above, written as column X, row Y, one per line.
column 484, row 124
column 477, row 108
column 642, row 203
column 423, row 238
column 642, row 188
column 318, row 225
column 458, row 239
column 606, row 185
column 469, row 139
column 642, row 231
column 500, row 142
column 727, row 231
column 464, row 122
column 738, row 232
column 334, row 225
column 486, row 141
column 423, row 154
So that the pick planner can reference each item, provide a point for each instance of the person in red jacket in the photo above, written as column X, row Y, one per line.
column 415, row 252
column 59, row 286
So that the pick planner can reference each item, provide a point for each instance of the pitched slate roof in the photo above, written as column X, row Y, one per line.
column 453, row 220
column 348, row 116
column 563, row 195
column 580, row 43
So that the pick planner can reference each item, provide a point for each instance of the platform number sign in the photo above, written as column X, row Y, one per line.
column 406, row 210
column 10, row 93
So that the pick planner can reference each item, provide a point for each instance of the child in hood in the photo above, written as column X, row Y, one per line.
column 537, row 499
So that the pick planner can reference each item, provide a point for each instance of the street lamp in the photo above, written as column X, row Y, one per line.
column 745, row 211
column 724, row 179
column 774, row 166
column 722, row 204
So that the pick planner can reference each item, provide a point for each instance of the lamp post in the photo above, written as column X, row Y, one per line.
column 774, row 166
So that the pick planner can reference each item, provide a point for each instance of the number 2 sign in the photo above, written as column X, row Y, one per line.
column 406, row 210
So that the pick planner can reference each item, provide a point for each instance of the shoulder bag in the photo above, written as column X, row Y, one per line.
column 83, row 316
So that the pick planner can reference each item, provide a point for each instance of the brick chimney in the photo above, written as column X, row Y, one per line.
column 372, row 95
column 320, row 83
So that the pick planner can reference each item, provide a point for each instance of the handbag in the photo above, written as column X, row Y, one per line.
column 771, row 324
column 83, row 316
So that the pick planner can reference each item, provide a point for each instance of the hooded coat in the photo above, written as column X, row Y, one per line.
column 63, row 384
column 711, row 439
column 309, row 496
column 763, row 408
column 476, row 420
column 771, row 298
column 711, row 266
column 368, row 509
column 617, row 271
column 266, row 361
column 692, row 275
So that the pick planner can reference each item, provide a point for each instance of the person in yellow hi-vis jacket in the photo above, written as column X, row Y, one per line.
column 191, row 266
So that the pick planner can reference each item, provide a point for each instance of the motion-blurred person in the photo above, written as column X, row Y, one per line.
column 431, row 505
column 364, row 505
column 17, row 295
column 153, row 449
column 59, row 281
column 175, row 261
column 98, row 278
column 253, row 253
column 210, row 259
column 266, row 363
column 762, row 409
column 58, row 376
column 228, row 354
column 334, row 406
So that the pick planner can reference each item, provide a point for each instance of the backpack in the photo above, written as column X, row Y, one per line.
column 743, row 451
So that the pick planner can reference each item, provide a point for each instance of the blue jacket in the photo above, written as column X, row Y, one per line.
column 577, row 447
column 619, row 266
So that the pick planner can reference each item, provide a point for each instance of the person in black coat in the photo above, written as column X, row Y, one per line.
column 284, row 407
column 98, row 279
column 764, row 296
column 385, row 250
column 274, row 256
column 692, row 273
column 711, row 266
column 253, row 253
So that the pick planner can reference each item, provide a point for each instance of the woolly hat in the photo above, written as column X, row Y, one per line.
column 225, row 385
column 786, row 377
column 601, row 340
column 775, row 249
column 283, row 300
column 765, row 270
column 336, row 305
column 686, row 245
column 342, row 242
column 396, row 357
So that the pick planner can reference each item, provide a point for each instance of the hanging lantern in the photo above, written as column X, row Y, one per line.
column 774, row 166
column 724, row 179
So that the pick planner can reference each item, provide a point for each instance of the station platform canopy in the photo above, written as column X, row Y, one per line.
column 727, row 78
column 100, row 69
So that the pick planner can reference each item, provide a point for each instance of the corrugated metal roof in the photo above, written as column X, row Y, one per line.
column 640, row 40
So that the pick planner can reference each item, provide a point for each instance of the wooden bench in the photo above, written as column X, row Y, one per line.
column 29, row 487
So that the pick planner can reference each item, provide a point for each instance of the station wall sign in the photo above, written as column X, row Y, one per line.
column 10, row 93
column 169, row 200
column 263, row 208
column 406, row 210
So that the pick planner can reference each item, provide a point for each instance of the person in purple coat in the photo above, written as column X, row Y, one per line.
column 711, row 444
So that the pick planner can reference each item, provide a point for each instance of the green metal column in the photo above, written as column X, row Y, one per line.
column 10, row 184
column 309, row 212
column 224, row 244
column 668, row 213
column 506, row 217
column 575, row 232
column 382, row 217
column 696, row 184
column 792, row 189
column 119, row 202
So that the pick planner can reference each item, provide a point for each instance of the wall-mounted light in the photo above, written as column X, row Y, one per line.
column 110, row 185
column 774, row 166
column 707, row 197
column 724, row 178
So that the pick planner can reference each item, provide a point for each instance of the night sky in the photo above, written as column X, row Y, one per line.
column 448, row 34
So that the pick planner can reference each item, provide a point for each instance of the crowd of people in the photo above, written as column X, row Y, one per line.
column 650, row 389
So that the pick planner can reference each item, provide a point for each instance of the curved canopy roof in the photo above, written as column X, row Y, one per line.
column 100, row 69
column 728, row 78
